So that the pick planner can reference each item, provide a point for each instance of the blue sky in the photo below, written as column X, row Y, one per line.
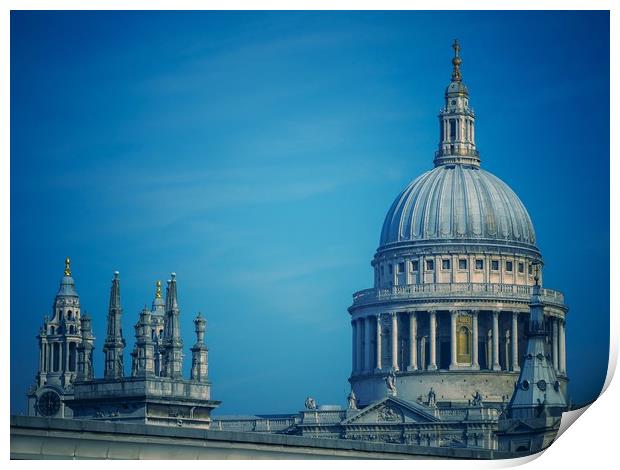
column 256, row 153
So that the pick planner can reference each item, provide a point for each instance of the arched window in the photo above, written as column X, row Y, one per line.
column 463, row 345
column 69, row 315
column 56, row 356
column 72, row 357
column 52, row 330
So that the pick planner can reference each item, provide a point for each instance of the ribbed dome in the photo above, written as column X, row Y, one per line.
column 458, row 203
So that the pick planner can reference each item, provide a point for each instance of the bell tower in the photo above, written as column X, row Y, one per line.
column 59, row 340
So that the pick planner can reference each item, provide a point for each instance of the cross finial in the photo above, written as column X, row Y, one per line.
column 457, row 47
column 456, row 62
column 158, row 290
column 67, row 266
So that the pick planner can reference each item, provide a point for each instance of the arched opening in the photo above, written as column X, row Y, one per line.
column 72, row 356
column 463, row 345
column 56, row 356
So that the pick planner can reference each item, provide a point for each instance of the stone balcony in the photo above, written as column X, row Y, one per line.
column 465, row 291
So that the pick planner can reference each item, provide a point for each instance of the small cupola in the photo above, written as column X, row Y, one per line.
column 456, row 121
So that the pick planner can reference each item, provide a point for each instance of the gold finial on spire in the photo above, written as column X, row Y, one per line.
column 158, row 290
column 456, row 62
column 68, row 266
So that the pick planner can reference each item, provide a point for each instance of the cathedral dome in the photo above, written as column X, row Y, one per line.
column 458, row 203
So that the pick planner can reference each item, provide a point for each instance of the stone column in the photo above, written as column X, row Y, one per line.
column 378, row 338
column 453, row 361
column 394, row 316
column 413, row 344
column 433, row 340
column 507, row 350
column 515, row 342
column 423, row 353
column 474, row 342
column 490, row 350
column 496, row 365
column 367, row 346
column 353, row 345
column 359, row 347
column 554, row 342
column 41, row 364
column 562, row 347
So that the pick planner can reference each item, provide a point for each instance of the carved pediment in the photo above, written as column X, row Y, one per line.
column 519, row 426
column 391, row 410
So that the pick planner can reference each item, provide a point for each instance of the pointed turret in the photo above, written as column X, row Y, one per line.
column 173, row 344
column 114, row 343
column 537, row 392
column 199, row 351
column 85, row 351
column 456, row 121
column 158, row 313
column 143, row 364
column 532, row 419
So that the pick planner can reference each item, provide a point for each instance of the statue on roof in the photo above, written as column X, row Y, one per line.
column 390, row 381
column 352, row 399
column 310, row 404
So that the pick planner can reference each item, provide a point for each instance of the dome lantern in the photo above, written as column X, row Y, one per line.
column 456, row 121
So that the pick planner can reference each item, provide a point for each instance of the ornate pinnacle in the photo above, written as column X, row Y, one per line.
column 456, row 62
column 67, row 266
column 537, row 274
column 158, row 290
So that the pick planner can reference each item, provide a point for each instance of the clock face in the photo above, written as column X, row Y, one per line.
column 48, row 403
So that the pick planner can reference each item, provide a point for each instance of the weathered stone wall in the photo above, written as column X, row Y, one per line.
column 46, row 438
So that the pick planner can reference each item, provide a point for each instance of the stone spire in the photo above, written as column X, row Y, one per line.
column 143, row 363
column 114, row 343
column 200, row 368
column 456, row 121
column 158, row 313
column 537, row 392
column 173, row 344
column 85, row 351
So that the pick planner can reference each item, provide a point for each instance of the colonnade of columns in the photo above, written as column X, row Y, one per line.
column 62, row 358
column 368, row 338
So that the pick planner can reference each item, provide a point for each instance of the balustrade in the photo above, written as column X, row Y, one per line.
column 518, row 292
